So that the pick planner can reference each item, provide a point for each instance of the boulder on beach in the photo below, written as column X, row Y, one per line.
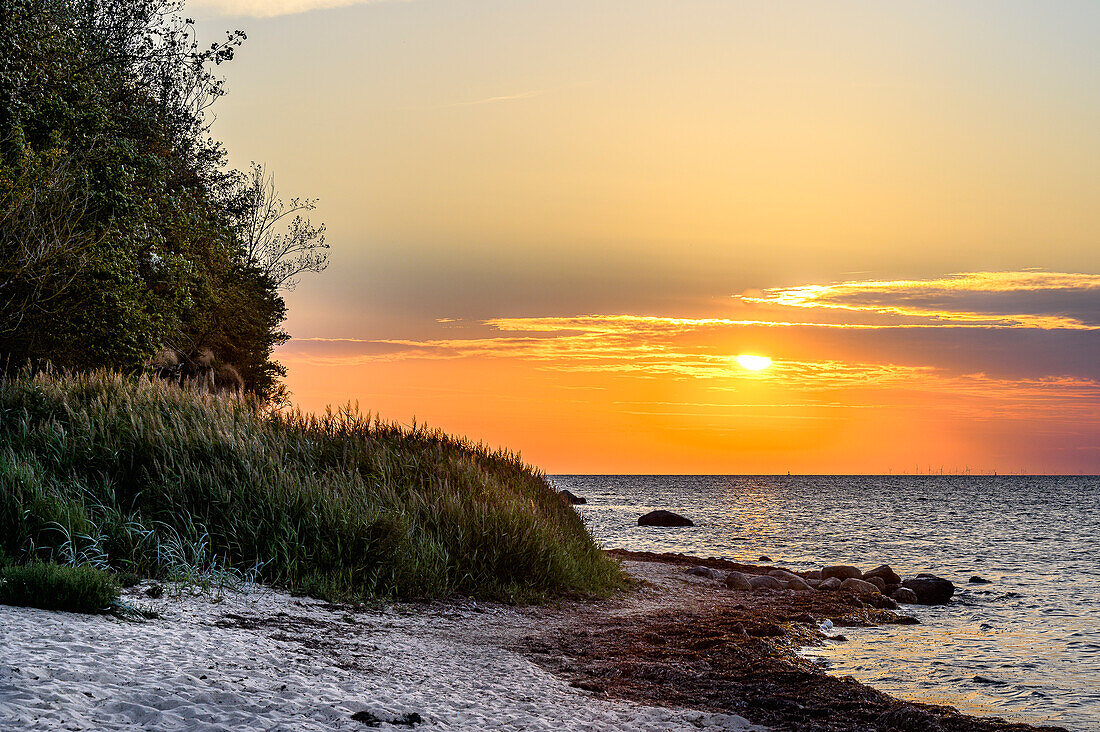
column 841, row 572
column 814, row 575
column 877, row 582
column 930, row 589
column 738, row 581
column 882, row 602
column 784, row 575
column 664, row 518
column 859, row 587
column 888, row 575
column 798, row 584
column 829, row 583
column 570, row 497
column 706, row 572
column 904, row 594
column 764, row 582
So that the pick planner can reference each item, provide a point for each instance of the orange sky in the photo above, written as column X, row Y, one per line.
column 556, row 224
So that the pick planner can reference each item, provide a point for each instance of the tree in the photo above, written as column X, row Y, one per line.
column 277, row 238
column 123, row 230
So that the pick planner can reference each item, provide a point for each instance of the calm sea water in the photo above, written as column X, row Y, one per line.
column 1026, row 647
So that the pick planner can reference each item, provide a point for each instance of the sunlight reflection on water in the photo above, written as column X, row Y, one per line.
column 1026, row 647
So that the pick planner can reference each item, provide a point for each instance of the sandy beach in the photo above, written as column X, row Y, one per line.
column 680, row 652
column 263, row 660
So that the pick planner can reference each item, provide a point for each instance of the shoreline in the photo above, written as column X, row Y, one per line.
column 678, row 652
column 738, row 652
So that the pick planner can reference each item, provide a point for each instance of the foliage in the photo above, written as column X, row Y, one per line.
column 80, row 589
column 122, row 230
column 145, row 478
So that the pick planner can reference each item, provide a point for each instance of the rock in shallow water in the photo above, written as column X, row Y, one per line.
column 664, row 518
column 573, row 499
column 930, row 590
column 904, row 594
column 888, row 575
column 976, row 580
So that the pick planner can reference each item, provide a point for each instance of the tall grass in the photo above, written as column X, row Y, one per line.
column 57, row 587
column 122, row 472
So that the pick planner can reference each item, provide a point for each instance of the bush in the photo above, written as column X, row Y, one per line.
column 81, row 589
column 144, row 477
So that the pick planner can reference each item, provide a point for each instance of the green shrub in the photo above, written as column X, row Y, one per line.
column 81, row 589
column 143, row 477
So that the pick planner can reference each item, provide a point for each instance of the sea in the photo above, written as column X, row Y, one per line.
column 1025, row 647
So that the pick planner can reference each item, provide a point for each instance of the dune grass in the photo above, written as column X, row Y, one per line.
column 126, row 474
column 50, row 586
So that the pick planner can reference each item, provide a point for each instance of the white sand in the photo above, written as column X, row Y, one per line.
column 197, row 668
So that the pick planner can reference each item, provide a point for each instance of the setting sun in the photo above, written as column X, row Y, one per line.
column 753, row 363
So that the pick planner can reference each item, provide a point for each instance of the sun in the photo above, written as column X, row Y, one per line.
column 753, row 363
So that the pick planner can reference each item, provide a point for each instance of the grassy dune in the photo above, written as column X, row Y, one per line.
column 137, row 476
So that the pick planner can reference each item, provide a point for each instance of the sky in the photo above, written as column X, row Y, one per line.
column 556, row 225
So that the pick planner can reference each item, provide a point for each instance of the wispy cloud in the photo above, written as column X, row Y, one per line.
column 1027, row 299
column 502, row 98
column 272, row 8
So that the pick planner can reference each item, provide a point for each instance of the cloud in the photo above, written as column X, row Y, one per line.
column 503, row 98
column 1024, row 338
column 272, row 8
column 1025, row 299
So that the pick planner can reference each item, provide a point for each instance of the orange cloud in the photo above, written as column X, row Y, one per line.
column 952, row 299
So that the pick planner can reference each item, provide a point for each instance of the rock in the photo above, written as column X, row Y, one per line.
column 797, row 584
column 930, row 590
column 570, row 498
column 764, row 558
column 704, row 572
column 764, row 582
column 784, row 575
column 907, row 718
column 859, row 587
column 841, row 572
column 738, row 581
column 876, row 581
column 888, row 575
column 815, row 583
column 882, row 602
column 976, row 580
column 664, row 518
column 410, row 719
column 814, row 575
column 904, row 594
column 830, row 583
column 155, row 591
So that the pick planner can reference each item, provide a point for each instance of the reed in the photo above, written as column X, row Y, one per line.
column 133, row 475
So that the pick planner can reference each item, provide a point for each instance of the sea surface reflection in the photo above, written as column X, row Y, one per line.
column 1025, row 647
